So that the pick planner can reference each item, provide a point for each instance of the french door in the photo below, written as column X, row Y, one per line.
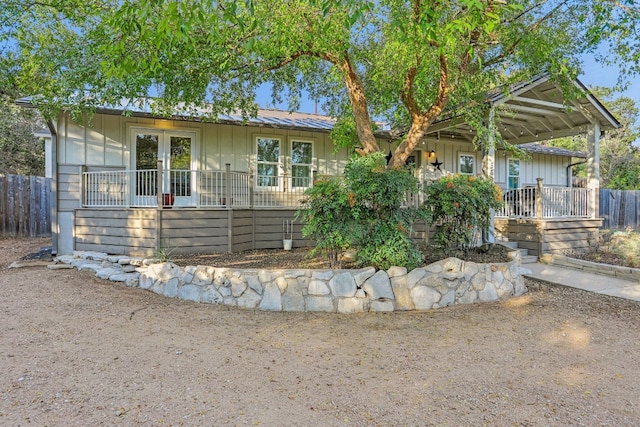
column 176, row 150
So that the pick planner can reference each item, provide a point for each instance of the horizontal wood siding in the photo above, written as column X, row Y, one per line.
column 194, row 231
column 129, row 231
column 268, row 228
column 243, row 222
column 69, row 187
column 550, row 236
column 564, row 237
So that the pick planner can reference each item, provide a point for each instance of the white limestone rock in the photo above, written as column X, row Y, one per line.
column 272, row 299
column 254, row 283
column 424, row 297
column 292, row 299
column 350, row 305
column 320, row 304
column 414, row 277
column 360, row 276
column 211, row 295
column 343, row 285
column 396, row 271
column 249, row 299
column 378, row 286
column 189, row 292
column 325, row 275
column 238, row 286
column 381, row 306
column 171, row 288
column 318, row 287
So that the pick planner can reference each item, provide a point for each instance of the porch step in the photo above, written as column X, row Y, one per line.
column 524, row 253
column 512, row 245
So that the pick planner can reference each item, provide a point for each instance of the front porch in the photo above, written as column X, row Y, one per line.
column 231, row 211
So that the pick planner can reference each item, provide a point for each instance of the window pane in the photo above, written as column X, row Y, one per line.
column 267, row 175
column 514, row 182
column 301, row 152
column 146, row 151
column 180, row 157
column 268, row 150
column 514, row 167
column 301, row 176
column 466, row 164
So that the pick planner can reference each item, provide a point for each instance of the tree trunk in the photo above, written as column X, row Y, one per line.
column 360, row 110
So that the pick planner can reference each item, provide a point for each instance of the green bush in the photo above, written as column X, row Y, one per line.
column 460, row 207
column 364, row 212
column 327, row 218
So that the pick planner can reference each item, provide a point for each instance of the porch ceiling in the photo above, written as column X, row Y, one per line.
column 534, row 111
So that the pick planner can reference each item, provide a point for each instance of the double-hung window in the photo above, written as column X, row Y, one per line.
column 513, row 173
column 466, row 164
column 301, row 163
column 268, row 162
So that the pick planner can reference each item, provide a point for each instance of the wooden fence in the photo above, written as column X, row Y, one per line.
column 24, row 206
column 620, row 208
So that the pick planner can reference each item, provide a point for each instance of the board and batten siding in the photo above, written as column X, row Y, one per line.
column 104, row 141
column 553, row 169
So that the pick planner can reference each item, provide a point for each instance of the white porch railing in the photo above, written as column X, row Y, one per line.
column 551, row 202
column 189, row 188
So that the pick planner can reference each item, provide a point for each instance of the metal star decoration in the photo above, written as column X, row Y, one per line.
column 437, row 164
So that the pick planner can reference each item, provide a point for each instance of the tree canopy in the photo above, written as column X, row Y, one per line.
column 404, row 61
column 619, row 154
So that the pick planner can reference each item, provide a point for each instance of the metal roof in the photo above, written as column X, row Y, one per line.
column 537, row 148
column 531, row 111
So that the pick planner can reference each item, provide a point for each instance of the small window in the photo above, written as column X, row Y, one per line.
column 301, row 163
column 466, row 164
column 268, row 162
column 513, row 173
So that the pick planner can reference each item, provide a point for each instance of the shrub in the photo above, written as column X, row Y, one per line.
column 365, row 212
column 460, row 206
column 327, row 218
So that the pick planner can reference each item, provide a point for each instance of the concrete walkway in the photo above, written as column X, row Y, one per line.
column 599, row 284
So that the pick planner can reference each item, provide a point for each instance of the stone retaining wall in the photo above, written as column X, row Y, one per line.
column 447, row 282
column 626, row 273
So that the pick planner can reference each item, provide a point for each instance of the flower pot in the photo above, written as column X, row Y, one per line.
column 167, row 200
column 287, row 244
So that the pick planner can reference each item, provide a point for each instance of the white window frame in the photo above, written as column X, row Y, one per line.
column 509, row 176
column 473, row 158
column 292, row 164
column 164, row 135
column 278, row 163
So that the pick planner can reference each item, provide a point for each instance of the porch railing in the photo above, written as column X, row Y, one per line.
column 189, row 188
column 233, row 189
column 550, row 202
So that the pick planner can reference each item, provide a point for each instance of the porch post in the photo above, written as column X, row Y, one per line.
column 593, row 168
column 539, row 201
column 227, row 185
column 159, row 203
column 489, row 172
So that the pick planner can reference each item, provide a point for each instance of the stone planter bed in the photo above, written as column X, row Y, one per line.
column 444, row 283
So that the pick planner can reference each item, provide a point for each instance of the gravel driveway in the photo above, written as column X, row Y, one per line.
column 79, row 351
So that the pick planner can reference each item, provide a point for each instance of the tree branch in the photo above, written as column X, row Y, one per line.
column 514, row 45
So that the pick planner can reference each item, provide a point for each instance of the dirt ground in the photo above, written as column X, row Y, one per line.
column 79, row 351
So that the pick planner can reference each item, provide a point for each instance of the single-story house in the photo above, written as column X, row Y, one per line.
column 229, row 185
